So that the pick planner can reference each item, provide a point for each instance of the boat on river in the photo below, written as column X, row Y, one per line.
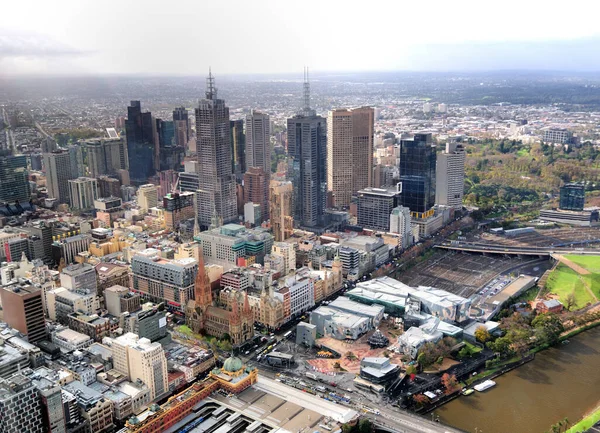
column 485, row 385
column 468, row 391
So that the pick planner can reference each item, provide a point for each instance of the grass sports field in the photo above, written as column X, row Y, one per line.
column 565, row 280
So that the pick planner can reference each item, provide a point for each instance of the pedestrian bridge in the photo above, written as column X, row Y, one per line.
column 514, row 250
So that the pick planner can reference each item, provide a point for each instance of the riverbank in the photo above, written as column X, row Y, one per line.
column 560, row 382
column 587, row 422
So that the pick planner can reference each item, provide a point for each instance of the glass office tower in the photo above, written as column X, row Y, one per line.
column 417, row 174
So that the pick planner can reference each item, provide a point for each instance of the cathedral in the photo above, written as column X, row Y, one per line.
column 202, row 316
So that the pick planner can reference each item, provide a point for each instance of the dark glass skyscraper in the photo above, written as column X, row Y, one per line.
column 14, row 183
column 141, row 147
column 572, row 197
column 238, row 148
column 417, row 174
column 170, row 155
column 182, row 126
column 307, row 148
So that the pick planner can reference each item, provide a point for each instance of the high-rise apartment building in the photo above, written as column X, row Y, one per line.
column 400, row 223
column 108, row 187
column 281, row 208
column 82, row 192
column 375, row 206
column 216, row 193
column 58, row 173
column 163, row 280
column 13, row 178
column 24, row 310
column 238, row 148
column 258, row 148
column 417, row 174
column 138, row 358
column 349, row 153
column 450, row 176
column 307, row 148
column 20, row 406
column 255, row 189
column 182, row 126
column 147, row 197
column 140, row 129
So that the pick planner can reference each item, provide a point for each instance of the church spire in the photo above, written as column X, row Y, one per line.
column 246, row 309
column 202, row 289
column 235, row 312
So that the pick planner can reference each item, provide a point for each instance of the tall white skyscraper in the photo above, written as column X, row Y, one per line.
column 400, row 223
column 450, row 176
column 83, row 191
column 216, row 181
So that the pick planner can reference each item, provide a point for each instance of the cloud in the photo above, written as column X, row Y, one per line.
column 34, row 45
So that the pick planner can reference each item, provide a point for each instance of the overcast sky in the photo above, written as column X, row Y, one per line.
column 182, row 37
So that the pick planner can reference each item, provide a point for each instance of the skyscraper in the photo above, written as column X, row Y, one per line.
column 182, row 126
column 58, row 174
column 417, row 174
column 105, row 156
column 170, row 155
column 20, row 406
column 258, row 148
column 255, row 189
column 282, row 221
column 450, row 176
column 307, row 148
column 349, row 153
column 13, row 178
column 238, row 148
column 24, row 311
column 140, row 130
column 82, row 192
column 216, row 193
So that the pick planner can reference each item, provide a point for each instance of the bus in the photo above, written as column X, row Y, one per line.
column 287, row 334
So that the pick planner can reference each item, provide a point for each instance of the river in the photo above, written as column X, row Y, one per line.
column 560, row 382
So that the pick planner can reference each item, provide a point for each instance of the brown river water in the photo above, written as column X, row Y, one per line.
column 560, row 382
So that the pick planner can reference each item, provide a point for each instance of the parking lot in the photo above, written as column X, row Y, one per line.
column 463, row 274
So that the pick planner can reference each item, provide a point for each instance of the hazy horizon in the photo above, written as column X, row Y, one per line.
column 151, row 38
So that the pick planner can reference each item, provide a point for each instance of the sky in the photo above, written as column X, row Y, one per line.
column 181, row 37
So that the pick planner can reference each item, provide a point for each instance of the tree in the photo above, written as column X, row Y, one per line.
column 420, row 399
column 226, row 337
column 548, row 328
column 365, row 425
column 450, row 383
column 465, row 352
column 501, row 346
column 482, row 334
column 350, row 356
column 570, row 301
column 411, row 369
column 336, row 364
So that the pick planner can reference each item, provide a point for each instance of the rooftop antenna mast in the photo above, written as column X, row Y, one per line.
column 211, row 90
column 306, row 90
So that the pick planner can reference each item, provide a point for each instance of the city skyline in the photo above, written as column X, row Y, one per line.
column 82, row 38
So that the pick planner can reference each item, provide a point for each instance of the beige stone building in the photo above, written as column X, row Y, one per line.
column 349, row 153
